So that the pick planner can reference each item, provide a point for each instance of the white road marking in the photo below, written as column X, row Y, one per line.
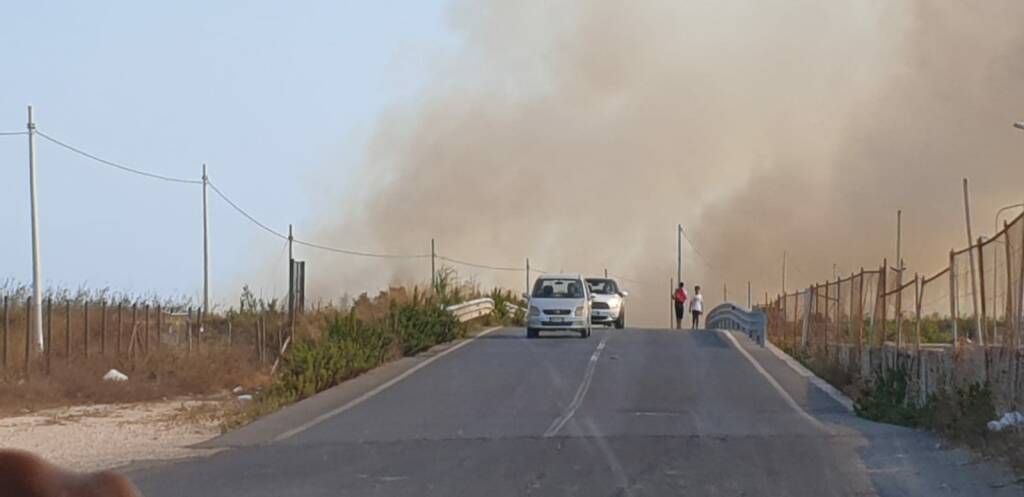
column 782, row 392
column 380, row 388
column 822, row 385
column 581, row 392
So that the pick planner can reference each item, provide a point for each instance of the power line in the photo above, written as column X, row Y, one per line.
column 695, row 249
column 245, row 214
column 13, row 133
column 278, row 234
column 360, row 253
column 482, row 266
column 116, row 165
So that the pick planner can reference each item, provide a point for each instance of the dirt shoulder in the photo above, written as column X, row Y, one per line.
column 86, row 438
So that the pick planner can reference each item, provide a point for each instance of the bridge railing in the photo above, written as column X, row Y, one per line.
column 728, row 316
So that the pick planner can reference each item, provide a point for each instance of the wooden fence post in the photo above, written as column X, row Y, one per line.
column 67, row 331
column 954, row 311
column 132, row 342
column 7, row 324
column 86, row 329
column 188, row 331
column 28, row 335
column 103, row 329
column 230, row 337
column 159, row 324
column 982, row 324
column 49, row 331
column 145, row 341
column 120, row 326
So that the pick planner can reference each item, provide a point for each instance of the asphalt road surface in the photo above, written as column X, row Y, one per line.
column 625, row 412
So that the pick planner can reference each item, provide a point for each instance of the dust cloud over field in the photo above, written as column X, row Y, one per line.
column 579, row 134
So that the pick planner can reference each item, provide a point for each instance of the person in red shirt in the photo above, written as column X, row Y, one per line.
column 679, row 297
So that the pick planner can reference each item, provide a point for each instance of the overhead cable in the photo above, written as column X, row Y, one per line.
column 477, row 265
column 116, row 165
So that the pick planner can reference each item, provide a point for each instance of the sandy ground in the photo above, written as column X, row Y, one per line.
column 87, row 438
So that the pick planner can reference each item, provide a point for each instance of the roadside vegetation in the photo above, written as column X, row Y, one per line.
column 236, row 351
column 960, row 415
column 372, row 332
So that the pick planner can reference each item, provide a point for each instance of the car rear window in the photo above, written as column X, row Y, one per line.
column 558, row 288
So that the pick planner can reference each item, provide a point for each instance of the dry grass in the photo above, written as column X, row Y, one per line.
column 152, row 377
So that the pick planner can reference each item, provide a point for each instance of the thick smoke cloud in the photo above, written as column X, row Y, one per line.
column 580, row 135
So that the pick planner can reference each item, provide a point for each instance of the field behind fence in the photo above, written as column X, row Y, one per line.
column 947, row 328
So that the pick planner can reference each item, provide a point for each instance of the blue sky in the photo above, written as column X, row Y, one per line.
column 277, row 98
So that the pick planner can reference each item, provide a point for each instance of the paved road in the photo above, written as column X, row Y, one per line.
column 626, row 412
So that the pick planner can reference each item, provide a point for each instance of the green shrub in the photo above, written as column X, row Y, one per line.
column 885, row 399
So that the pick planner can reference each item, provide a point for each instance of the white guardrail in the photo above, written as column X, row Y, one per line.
column 472, row 309
column 468, row 311
column 733, row 317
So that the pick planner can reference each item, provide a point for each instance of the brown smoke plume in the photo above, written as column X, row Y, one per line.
column 580, row 135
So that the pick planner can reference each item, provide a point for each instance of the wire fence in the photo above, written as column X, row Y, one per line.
column 78, row 330
column 952, row 326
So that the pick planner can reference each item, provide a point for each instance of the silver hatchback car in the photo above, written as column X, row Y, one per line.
column 559, row 302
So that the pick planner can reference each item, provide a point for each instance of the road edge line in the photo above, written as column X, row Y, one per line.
column 775, row 384
column 816, row 380
column 378, row 389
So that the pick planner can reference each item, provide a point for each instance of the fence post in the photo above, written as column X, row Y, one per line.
column 804, row 339
column 86, row 329
column 981, row 290
column 67, row 331
column 954, row 304
column 918, row 296
column 145, row 328
column 899, row 308
column 1020, row 290
column 132, row 342
column 188, row 331
column 7, row 324
column 230, row 337
column 49, row 332
column 103, row 328
column 28, row 335
column 1011, row 320
column 159, row 324
column 120, row 327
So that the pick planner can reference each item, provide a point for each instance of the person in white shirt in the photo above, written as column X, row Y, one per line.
column 696, row 306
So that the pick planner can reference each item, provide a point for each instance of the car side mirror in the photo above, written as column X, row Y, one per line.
column 590, row 297
column 623, row 293
column 526, row 296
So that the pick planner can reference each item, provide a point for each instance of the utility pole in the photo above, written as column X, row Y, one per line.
column 433, row 266
column 783, row 272
column 970, row 253
column 37, row 289
column 291, row 275
column 605, row 272
column 725, row 292
column 899, row 236
column 750, row 302
column 206, row 247
column 527, row 275
column 679, row 253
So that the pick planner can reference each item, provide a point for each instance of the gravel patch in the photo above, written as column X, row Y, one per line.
column 88, row 438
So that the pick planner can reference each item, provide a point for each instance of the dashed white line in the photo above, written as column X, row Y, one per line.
column 581, row 392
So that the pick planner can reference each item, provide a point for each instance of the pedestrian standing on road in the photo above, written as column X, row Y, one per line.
column 679, row 297
column 696, row 306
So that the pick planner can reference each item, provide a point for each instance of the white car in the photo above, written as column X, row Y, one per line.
column 608, row 307
column 559, row 302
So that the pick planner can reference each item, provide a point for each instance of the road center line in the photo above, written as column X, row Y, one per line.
column 380, row 388
column 782, row 392
column 581, row 392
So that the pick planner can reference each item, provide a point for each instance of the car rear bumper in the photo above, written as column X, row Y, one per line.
column 604, row 315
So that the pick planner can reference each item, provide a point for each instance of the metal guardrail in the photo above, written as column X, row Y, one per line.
column 472, row 309
column 733, row 317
